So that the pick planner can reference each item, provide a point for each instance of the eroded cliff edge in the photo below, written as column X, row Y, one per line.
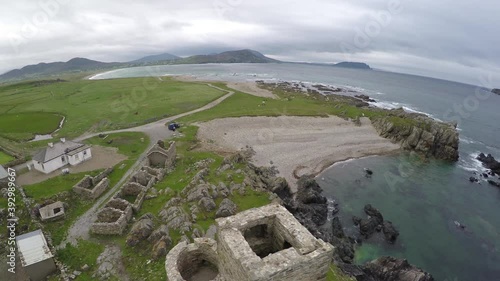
column 419, row 133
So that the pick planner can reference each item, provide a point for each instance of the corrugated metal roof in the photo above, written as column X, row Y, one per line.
column 33, row 248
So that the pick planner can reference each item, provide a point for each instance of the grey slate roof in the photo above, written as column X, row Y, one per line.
column 3, row 173
column 58, row 150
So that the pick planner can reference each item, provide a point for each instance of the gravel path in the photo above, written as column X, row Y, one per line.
column 295, row 145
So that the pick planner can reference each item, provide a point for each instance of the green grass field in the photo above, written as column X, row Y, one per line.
column 5, row 158
column 27, row 108
column 241, row 104
column 53, row 186
column 23, row 126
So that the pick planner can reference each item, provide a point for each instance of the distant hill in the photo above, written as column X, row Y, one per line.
column 496, row 91
column 47, row 69
column 157, row 58
column 357, row 65
column 240, row 56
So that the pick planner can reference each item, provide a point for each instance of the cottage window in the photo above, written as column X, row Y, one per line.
column 84, row 152
column 63, row 159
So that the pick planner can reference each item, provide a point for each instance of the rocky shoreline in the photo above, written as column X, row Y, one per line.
column 489, row 162
column 310, row 208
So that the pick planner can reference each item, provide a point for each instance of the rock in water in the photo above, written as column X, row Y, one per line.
column 390, row 232
column 393, row 269
column 494, row 183
column 337, row 229
column 372, row 212
column 489, row 162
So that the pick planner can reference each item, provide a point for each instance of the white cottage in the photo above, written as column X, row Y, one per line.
column 58, row 155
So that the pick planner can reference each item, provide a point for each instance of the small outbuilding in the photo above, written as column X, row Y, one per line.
column 35, row 256
column 52, row 212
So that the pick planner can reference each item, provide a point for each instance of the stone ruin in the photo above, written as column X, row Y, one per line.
column 92, row 187
column 52, row 212
column 113, row 218
column 261, row 244
column 159, row 157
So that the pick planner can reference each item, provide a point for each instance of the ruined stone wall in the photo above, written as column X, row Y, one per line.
column 111, row 221
column 159, row 174
column 102, row 175
column 93, row 187
column 163, row 158
column 118, row 210
column 294, row 255
column 185, row 258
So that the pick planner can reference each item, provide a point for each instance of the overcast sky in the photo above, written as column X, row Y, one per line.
column 451, row 39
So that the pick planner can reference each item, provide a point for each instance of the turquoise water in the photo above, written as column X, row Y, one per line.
column 422, row 199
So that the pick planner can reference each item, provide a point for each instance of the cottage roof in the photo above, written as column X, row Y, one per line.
column 33, row 248
column 57, row 150
column 3, row 173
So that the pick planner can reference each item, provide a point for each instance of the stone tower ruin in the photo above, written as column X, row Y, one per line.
column 261, row 244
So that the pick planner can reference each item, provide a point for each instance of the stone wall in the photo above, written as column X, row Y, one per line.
column 162, row 158
column 113, row 218
column 287, row 250
column 111, row 221
column 93, row 187
column 184, row 259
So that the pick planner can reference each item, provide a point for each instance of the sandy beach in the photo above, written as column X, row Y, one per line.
column 295, row 145
column 249, row 87
column 252, row 88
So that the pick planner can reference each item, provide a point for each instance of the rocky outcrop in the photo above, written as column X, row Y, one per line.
column 308, row 203
column 496, row 91
column 227, row 208
column 393, row 269
column 385, row 269
column 141, row 230
column 419, row 133
column 365, row 98
column 265, row 178
column 489, row 162
column 375, row 223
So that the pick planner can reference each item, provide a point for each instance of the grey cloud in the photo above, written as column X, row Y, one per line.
column 459, row 36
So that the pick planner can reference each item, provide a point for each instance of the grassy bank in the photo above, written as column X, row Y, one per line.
column 5, row 158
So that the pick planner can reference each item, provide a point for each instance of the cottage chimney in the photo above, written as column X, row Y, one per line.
column 63, row 140
column 51, row 144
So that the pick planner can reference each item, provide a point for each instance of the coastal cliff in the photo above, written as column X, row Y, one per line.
column 419, row 133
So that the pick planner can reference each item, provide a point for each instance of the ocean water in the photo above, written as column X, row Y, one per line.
column 422, row 198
